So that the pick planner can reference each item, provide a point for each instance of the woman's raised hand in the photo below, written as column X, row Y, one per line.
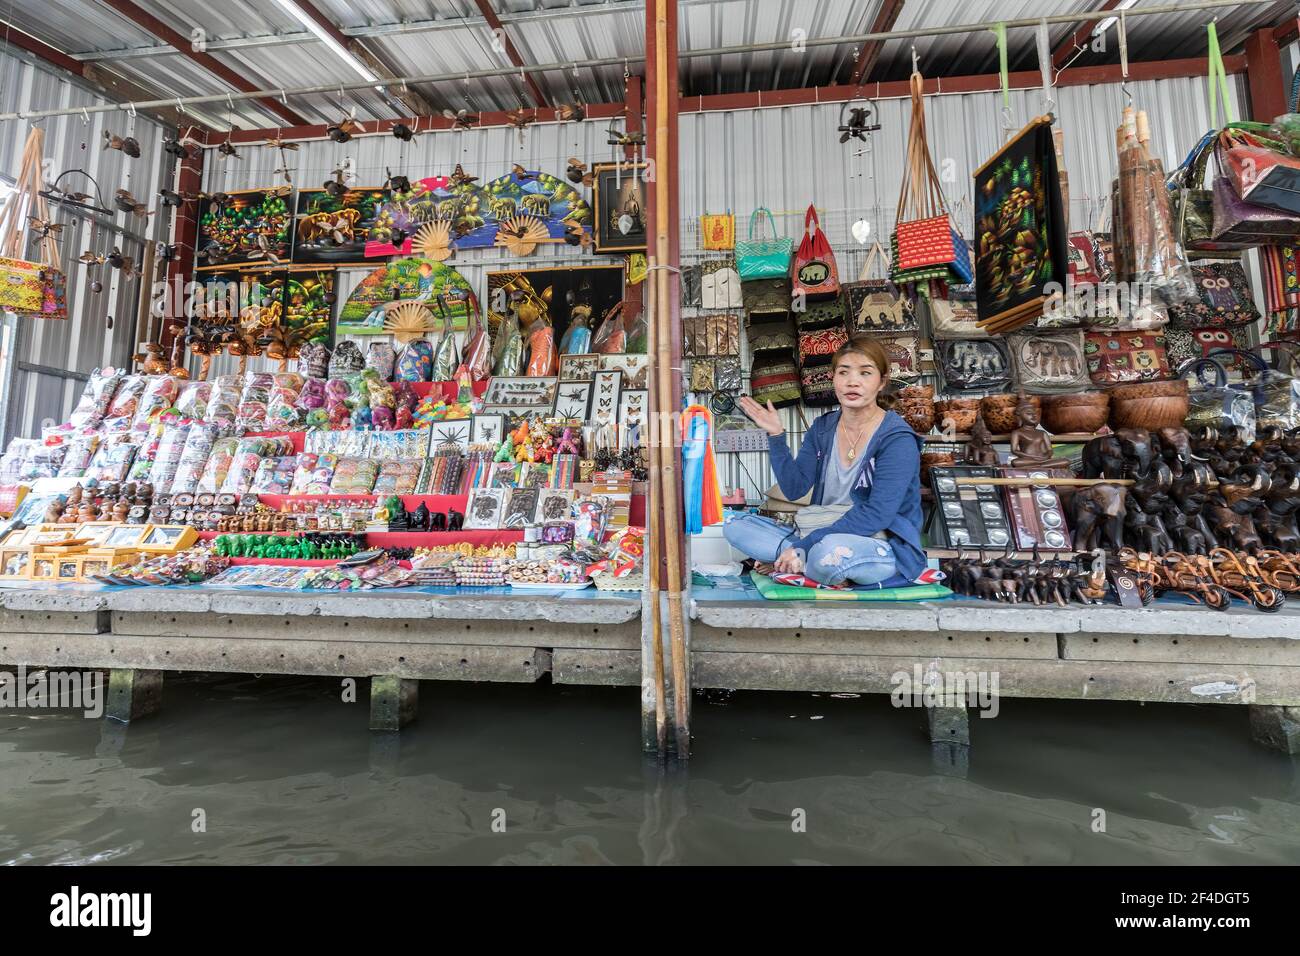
column 765, row 418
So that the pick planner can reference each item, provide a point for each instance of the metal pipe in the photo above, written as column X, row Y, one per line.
column 335, row 88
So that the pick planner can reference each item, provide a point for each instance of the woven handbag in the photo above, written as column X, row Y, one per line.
column 763, row 258
column 30, row 288
column 877, row 305
column 815, row 274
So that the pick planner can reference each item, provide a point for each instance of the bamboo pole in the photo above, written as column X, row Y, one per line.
column 666, row 86
column 655, row 517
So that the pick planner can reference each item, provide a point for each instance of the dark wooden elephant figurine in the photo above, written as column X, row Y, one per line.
column 1103, row 457
column 1138, row 451
column 1098, row 513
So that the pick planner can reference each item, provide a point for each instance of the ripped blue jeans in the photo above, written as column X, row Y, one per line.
column 834, row 559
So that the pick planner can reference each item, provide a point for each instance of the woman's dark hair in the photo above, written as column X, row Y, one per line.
column 867, row 347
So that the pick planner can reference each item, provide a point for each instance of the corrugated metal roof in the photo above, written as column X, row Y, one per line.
column 267, row 45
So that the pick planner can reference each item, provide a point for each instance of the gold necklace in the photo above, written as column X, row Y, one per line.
column 853, row 446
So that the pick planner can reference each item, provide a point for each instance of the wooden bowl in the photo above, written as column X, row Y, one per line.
column 1079, row 412
column 932, row 458
column 916, row 405
column 1149, row 405
column 1000, row 411
column 962, row 412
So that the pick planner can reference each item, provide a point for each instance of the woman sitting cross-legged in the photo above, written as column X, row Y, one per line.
column 863, row 466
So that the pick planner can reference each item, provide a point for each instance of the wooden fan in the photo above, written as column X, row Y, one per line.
column 408, row 321
column 433, row 240
column 521, row 234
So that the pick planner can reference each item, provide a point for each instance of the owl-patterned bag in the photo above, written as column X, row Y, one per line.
column 1116, row 358
column 1224, row 299
column 1183, row 346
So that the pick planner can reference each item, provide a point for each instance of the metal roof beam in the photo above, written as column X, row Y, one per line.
column 867, row 56
column 499, row 36
column 1077, row 39
column 151, row 24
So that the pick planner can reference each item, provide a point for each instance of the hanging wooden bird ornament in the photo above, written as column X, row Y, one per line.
column 521, row 234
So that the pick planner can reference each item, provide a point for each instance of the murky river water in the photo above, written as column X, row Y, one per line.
column 283, row 772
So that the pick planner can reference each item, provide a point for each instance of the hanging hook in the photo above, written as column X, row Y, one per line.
column 284, row 99
column 180, row 105
column 916, row 60
column 85, row 116
column 130, row 109
column 1123, row 57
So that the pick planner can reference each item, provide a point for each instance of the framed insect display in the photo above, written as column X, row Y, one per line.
column 573, row 400
column 633, row 367
column 633, row 404
column 485, row 508
column 67, row 569
column 126, row 536
column 581, row 368
column 520, row 507
column 454, row 431
column 553, row 504
column 41, row 568
column 334, row 229
column 605, row 389
column 619, row 207
column 521, row 390
column 95, row 531
column 487, row 429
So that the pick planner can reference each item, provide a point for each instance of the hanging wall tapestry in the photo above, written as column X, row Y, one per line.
column 1020, row 234
column 254, row 225
column 334, row 229
column 436, row 213
column 403, row 280
column 308, row 303
column 523, row 196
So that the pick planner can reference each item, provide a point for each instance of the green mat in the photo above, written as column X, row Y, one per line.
column 788, row 592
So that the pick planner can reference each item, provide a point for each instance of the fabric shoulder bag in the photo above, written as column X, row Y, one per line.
column 815, row 274
column 877, row 305
column 763, row 258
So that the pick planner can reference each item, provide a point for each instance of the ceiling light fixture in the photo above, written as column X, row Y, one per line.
column 303, row 17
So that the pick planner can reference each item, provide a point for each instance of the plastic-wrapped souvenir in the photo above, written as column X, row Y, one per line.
column 577, row 337
column 313, row 473
column 113, row 459
column 253, row 401
column 354, row 476
column 217, row 465
column 170, row 448
column 142, row 466
column 415, row 363
column 96, row 398
column 383, row 404
column 274, row 476
column 159, row 395
column 126, row 402
column 478, row 346
column 312, row 395
column 508, row 358
column 193, row 399
column 346, row 360
column 223, row 404
column 313, row 360
column 194, row 456
column 77, row 458
column 381, row 358
column 542, row 357
column 404, row 403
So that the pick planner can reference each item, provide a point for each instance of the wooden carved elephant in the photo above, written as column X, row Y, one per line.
column 1098, row 512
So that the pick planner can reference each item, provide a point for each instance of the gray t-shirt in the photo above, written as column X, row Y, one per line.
column 837, row 489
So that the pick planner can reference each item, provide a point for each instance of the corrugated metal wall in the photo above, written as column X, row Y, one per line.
column 51, row 359
column 485, row 153
column 786, row 158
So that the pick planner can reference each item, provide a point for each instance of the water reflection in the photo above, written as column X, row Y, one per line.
column 280, row 770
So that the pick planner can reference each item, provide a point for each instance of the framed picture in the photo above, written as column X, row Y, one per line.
column 93, row 566
column 520, row 507
column 335, row 229
column 604, row 397
column 619, row 207
column 633, row 367
column 503, row 475
column 483, row 513
column 168, row 538
column 67, row 569
column 14, row 562
column 558, row 295
column 487, row 429
column 14, row 538
column 50, row 534
column 553, row 504
column 453, row 431
column 633, row 404
column 126, row 536
column 521, row 390
column 41, row 569
column 512, row 413
column 230, row 229
column 579, row 368
column 95, row 531
column 573, row 400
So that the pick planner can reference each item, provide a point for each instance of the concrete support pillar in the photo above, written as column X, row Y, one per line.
column 133, row 694
column 394, row 702
column 1277, row 728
